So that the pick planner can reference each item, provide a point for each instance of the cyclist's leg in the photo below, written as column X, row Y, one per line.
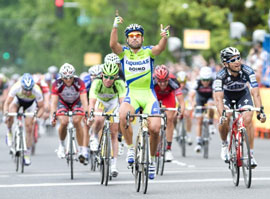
column 129, row 104
column 13, row 107
column 243, row 102
column 151, row 106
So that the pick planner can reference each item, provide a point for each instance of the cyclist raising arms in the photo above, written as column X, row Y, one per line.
column 24, row 93
column 137, row 63
column 105, row 95
column 167, row 89
column 69, row 93
column 230, row 84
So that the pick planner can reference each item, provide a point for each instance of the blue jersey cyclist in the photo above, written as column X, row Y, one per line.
column 137, row 65
column 93, row 72
column 231, row 84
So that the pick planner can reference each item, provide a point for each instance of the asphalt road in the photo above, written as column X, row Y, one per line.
column 189, row 177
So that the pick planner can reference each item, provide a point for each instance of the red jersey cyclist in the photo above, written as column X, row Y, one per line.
column 69, row 93
column 167, row 88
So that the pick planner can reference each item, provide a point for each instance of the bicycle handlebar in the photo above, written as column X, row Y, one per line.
column 70, row 113
column 240, row 110
column 206, row 107
column 106, row 114
column 169, row 109
column 32, row 114
column 143, row 116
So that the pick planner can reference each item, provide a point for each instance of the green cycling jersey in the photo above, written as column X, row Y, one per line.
column 138, row 67
column 99, row 91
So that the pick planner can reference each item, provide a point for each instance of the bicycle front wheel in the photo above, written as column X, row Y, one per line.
column 233, row 160
column 145, row 161
column 107, row 158
column 183, row 135
column 205, row 140
column 245, row 158
column 137, row 165
column 70, row 155
column 163, row 151
column 22, row 152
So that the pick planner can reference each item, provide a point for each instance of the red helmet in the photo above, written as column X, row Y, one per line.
column 161, row 72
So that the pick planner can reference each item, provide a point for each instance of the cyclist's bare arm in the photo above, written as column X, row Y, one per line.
column 114, row 44
column 92, row 103
column 40, row 108
column 156, row 50
column 219, row 101
column 83, row 98
column 54, row 101
column 192, row 95
column 256, row 97
column 7, row 103
column 47, row 102
column 181, row 101
column 121, row 100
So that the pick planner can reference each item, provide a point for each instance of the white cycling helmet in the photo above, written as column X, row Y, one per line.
column 52, row 70
column 48, row 77
column 112, row 58
column 205, row 73
column 181, row 76
column 67, row 71
column 95, row 70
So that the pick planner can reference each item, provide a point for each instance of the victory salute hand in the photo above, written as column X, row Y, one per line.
column 117, row 20
column 165, row 32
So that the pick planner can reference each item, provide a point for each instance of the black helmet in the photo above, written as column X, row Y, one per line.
column 227, row 53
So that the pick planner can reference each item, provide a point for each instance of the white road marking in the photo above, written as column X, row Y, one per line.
column 124, row 182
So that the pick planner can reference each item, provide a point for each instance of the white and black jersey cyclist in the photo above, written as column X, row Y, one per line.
column 231, row 84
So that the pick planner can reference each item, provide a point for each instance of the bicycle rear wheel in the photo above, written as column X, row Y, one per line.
column 245, row 158
column 233, row 160
column 145, row 161
column 137, row 165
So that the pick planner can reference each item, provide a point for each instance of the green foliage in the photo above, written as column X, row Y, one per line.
column 36, row 38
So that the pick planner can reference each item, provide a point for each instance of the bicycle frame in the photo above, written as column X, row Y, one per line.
column 236, row 131
column 19, row 139
column 71, row 147
column 105, row 146
column 142, row 151
column 238, row 145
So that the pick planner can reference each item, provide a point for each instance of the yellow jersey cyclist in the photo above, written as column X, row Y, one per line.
column 137, row 64
column 26, row 94
column 106, row 94
column 231, row 84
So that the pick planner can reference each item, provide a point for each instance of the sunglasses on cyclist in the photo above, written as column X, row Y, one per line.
column 205, row 80
column 67, row 78
column 109, row 77
column 138, row 35
column 234, row 59
column 30, row 90
column 162, row 80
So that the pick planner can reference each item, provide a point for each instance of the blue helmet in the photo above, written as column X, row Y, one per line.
column 134, row 27
column 27, row 82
